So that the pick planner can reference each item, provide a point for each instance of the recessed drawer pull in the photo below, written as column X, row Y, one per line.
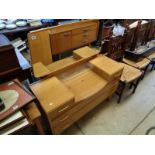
column 63, row 109
column 84, row 42
column 66, row 35
column 85, row 35
column 61, row 120
column 85, row 30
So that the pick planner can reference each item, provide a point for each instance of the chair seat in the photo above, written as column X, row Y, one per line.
column 130, row 73
column 151, row 56
column 140, row 65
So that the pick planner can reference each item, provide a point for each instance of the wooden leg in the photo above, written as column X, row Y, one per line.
column 152, row 66
column 120, row 93
column 136, row 84
column 144, row 71
column 131, row 85
column 39, row 126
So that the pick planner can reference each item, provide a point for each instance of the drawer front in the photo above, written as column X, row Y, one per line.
column 63, row 122
column 61, row 110
column 83, row 38
column 79, row 40
column 60, row 42
column 92, row 36
column 59, row 129
column 84, row 29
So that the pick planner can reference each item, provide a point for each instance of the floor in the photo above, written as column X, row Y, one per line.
column 133, row 116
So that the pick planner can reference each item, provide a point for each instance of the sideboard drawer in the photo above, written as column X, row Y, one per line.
column 92, row 35
column 79, row 40
column 84, row 29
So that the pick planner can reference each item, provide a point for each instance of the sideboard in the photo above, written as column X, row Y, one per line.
column 58, row 39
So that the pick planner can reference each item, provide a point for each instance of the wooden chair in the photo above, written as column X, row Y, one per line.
column 130, row 76
column 141, row 64
column 114, row 47
column 130, row 39
column 150, row 31
column 151, row 57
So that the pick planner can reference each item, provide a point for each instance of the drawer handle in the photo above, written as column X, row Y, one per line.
column 85, row 35
column 85, row 30
column 84, row 42
column 63, row 119
column 66, row 35
column 63, row 109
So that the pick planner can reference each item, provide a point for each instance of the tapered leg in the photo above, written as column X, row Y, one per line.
column 135, row 85
column 39, row 126
column 120, row 93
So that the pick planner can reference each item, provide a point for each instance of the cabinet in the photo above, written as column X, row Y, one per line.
column 44, row 43
column 60, row 42
column 9, row 63
column 79, row 35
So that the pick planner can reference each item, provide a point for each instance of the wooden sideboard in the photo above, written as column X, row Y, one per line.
column 54, row 40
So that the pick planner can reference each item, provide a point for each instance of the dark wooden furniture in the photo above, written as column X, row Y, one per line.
column 114, row 47
column 150, row 31
column 130, row 76
column 9, row 64
column 137, row 39
column 130, row 38
column 153, row 64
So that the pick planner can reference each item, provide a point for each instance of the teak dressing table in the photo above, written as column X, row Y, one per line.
column 71, row 90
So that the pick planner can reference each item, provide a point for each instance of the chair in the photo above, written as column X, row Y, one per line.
column 141, row 64
column 130, row 76
column 114, row 47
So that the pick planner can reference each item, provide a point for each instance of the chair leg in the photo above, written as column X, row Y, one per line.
column 144, row 72
column 136, row 84
column 121, row 92
column 152, row 66
column 130, row 85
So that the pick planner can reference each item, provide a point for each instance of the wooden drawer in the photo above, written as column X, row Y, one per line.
column 61, row 119
column 61, row 127
column 80, row 110
column 92, row 36
column 60, row 111
column 79, row 40
column 70, row 116
column 83, row 38
column 60, row 42
column 84, row 29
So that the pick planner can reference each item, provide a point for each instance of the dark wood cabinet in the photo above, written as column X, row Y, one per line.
column 9, row 64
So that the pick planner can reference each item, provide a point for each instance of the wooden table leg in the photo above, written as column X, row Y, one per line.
column 39, row 126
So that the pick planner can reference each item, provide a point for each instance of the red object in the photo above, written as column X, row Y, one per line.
column 23, row 99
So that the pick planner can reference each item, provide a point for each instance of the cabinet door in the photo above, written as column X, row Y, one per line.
column 92, row 36
column 60, row 42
